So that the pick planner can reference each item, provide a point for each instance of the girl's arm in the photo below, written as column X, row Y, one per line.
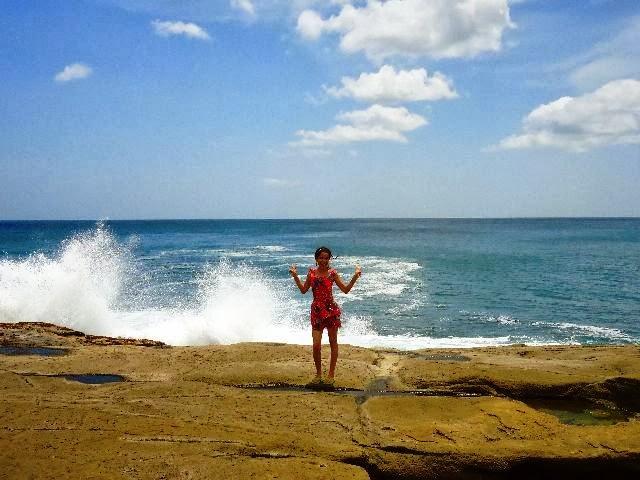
column 347, row 288
column 302, row 287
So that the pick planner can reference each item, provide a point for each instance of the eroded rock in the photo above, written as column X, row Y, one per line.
column 185, row 412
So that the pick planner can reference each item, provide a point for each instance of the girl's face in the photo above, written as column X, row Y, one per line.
column 323, row 259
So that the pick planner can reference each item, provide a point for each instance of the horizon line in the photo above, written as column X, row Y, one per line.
column 195, row 219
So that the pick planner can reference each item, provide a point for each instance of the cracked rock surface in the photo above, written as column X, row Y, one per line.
column 241, row 411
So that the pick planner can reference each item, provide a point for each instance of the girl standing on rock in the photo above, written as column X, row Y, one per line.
column 325, row 312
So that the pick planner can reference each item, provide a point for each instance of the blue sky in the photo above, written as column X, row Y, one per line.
column 303, row 109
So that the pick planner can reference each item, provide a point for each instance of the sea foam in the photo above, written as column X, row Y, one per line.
column 76, row 288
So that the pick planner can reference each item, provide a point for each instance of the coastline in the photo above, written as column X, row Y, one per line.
column 242, row 410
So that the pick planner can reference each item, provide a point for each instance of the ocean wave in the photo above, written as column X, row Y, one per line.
column 590, row 330
column 410, row 342
column 413, row 304
column 76, row 288
column 502, row 319
column 271, row 248
column 381, row 277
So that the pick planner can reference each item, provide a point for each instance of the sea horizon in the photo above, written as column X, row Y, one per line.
column 153, row 219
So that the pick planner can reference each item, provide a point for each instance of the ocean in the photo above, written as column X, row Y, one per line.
column 425, row 282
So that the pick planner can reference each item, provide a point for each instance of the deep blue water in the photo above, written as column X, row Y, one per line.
column 425, row 281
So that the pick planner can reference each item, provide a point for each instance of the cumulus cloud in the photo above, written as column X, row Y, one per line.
column 310, row 25
column 389, row 85
column 191, row 30
column 75, row 71
column 280, row 182
column 244, row 5
column 375, row 123
column 609, row 115
column 414, row 28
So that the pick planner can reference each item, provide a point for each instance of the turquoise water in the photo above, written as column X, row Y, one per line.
column 426, row 282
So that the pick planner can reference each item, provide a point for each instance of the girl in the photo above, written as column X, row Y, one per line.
column 325, row 312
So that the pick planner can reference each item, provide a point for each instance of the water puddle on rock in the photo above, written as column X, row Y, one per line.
column 38, row 351
column 444, row 357
column 579, row 412
column 378, row 387
column 381, row 387
column 87, row 378
column 94, row 378
column 288, row 387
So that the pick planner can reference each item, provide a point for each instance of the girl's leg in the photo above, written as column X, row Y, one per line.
column 333, row 341
column 317, row 350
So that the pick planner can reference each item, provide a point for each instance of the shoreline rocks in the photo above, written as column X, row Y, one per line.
column 242, row 411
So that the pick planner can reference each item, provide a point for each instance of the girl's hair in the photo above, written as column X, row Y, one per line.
column 322, row 250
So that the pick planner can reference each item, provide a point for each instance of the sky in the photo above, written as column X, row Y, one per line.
column 151, row 109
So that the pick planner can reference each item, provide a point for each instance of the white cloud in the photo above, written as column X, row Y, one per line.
column 244, row 5
column 414, row 28
column 75, row 71
column 602, row 70
column 616, row 58
column 375, row 123
column 387, row 85
column 315, row 100
column 610, row 115
column 310, row 25
column 280, row 182
column 219, row 10
column 191, row 30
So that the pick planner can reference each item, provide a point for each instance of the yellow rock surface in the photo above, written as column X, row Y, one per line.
column 242, row 411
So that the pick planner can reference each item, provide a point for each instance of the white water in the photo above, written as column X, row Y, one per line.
column 77, row 288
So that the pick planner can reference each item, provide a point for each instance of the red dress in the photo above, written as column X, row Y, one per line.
column 325, row 312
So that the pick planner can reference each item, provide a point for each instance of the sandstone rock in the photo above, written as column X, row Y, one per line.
column 242, row 411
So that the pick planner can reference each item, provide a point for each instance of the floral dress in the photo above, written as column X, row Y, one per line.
column 325, row 312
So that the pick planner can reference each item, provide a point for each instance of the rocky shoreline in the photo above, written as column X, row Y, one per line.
column 81, row 406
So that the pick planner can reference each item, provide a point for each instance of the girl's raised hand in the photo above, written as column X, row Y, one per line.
column 293, row 270
column 358, row 271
